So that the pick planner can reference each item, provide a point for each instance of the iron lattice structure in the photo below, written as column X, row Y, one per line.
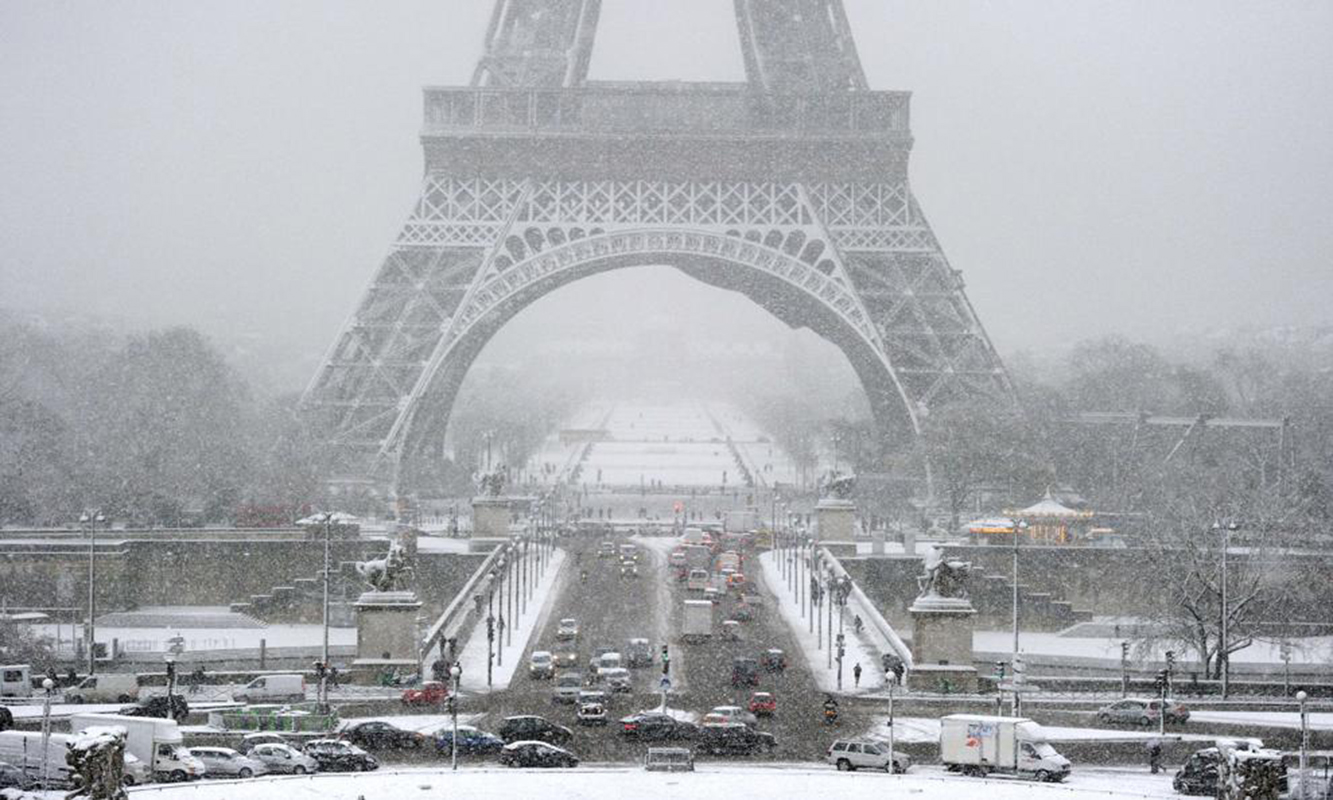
column 791, row 188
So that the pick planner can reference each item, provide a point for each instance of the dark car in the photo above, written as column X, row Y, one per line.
column 377, row 735
column 536, row 754
column 744, row 672
column 339, row 756
column 654, row 725
column 528, row 728
column 158, row 706
column 1198, row 775
column 732, row 739
column 11, row 777
column 773, row 660
column 6, row 719
column 470, row 741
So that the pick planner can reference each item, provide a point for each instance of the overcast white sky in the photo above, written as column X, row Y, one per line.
column 1142, row 167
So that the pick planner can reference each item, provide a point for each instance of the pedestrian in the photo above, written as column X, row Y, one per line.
column 333, row 677
column 439, row 669
column 856, row 674
column 71, row 677
column 1155, row 756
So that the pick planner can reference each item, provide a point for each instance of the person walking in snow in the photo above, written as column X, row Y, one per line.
column 856, row 674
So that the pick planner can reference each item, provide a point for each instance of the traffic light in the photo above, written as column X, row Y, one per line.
column 999, row 670
column 1124, row 651
column 1170, row 661
column 1160, row 682
column 666, row 661
column 319, row 669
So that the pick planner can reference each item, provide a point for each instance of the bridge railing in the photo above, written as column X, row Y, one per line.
column 647, row 109
column 876, row 624
column 461, row 613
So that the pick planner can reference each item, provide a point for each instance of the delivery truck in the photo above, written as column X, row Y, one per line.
column 154, row 741
column 698, row 620
column 980, row 745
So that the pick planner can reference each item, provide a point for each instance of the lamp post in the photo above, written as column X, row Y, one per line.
column 49, row 687
column 455, row 672
column 1301, row 697
column 828, row 592
column 1225, row 641
column 1019, row 529
column 90, row 523
column 512, row 591
column 891, row 678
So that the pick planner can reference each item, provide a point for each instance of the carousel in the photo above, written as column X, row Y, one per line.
column 1048, row 521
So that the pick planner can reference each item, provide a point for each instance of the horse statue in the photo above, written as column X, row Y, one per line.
column 386, row 574
column 96, row 757
column 837, row 485
column 945, row 578
column 492, row 484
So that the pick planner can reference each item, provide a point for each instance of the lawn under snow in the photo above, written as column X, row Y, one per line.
column 774, row 782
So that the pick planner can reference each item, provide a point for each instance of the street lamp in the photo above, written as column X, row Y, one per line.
column 1225, row 642
column 90, row 523
column 1020, row 528
column 455, row 672
column 891, row 678
column 49, row 687
column 1301, row 697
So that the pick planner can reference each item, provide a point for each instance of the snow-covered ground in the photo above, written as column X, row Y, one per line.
column 156, row 640
column 474, row 653
column 858, row 650
column 1316, row 720
column 1312, row 650
column 927, row 729
column 711, row 780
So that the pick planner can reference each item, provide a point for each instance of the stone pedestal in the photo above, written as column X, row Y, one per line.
column 942, row 645
column 386, row 629
column 490, row 517
column 836, row 519
column 877, row 542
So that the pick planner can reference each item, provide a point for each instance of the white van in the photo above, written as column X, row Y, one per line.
column 272, row 689
column 16, row 680
column 697, row 580
column 106, row 687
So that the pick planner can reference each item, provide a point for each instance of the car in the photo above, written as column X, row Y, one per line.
column 1198, row 775
column 604, row 658
column 224, row 762
column 638, row 653
column 136, row 772
column 568, row 628
column 744, row 672
column 6, row 719
column 732, row 738
column 677, row 557
column 11, row 777
column 606, row 550
column 763, row 704
column 527, row 727
column 471, row 741
column 594, row 696
column 335, row 755
column 158, row 706
column 541, row 665
column 380, row 735
column 616, row 679
column 567, row 687
column 536, row 754
column 283, row 759
column 430, row 693
column 853, row 754
column 252, row 740
column 773, row 660
column 566, row 659
column 1141, row 711
column 655, row 725
column 591, row 714
column 729, row 714
column 629, row 569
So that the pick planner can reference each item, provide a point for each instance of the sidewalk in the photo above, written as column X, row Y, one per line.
column 858, row 648
column 473, row 657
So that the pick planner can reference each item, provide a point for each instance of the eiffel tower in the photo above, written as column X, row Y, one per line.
column 791, row 188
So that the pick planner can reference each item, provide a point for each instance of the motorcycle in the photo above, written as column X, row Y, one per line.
column 830, row 715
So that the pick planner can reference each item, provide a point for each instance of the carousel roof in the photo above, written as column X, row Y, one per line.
column 1049, row 507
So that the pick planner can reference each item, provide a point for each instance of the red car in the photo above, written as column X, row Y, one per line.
column 428, row 694
column 763, row 704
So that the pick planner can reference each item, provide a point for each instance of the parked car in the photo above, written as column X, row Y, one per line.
column 655, row 725
column 639, row 653
column 380, row 735
column 1141, row 711
column 471, row 741
column 853, row 754
column 773, row 660
column 335, row 755
column 11, row 777
column 526, row 727
column 732, row 739
column 224, row 762
column 591, row 714
column 566, row 660
column 6, row 719
column 728, row 714
column 252, row 740
column 763, row 704
column 283, row 759
column 541, row 665
column 430, row 693
column 568, row 628
column 536, row 754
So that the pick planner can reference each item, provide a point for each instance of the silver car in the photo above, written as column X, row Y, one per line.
column 224, row 762
column 284, row 759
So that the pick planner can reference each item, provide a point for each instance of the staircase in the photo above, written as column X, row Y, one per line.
column 302, row 600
